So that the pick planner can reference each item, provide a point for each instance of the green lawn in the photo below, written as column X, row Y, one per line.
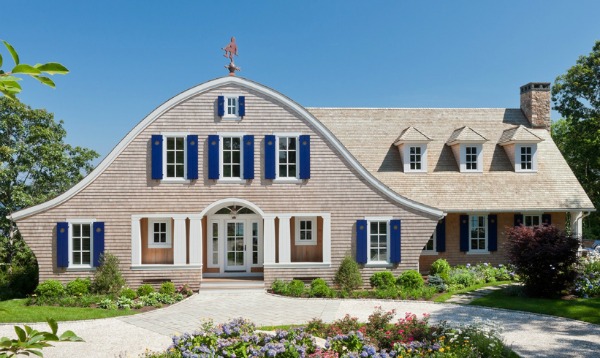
column 446, row 295
column 583, row 309
column 16, row 311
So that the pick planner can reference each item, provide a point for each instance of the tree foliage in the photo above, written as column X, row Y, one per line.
column 9, row 81
column 576, row 95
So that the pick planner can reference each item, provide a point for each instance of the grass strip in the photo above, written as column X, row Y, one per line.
column 446, row 295
column 15, row 311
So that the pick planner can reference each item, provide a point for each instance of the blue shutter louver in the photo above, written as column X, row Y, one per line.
column 395, row 242
column 546, row 219
column 464, row 233
column 192, row 157
column 361, row 241
column 518, row 219
column 248, row 156
column 492, row 232
column 242, row 106
column 221, row 106
column 157, row 156
column 440, row 236
column 98, row 229
column 270, row 157
column 213, row 156
column 304, row 156
column 62, row 244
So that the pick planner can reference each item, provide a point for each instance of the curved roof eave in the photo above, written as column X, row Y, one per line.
column 150, row 118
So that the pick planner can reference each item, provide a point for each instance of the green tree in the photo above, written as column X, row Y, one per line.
column 35, row 166
column 9, row 81
column 576, row 95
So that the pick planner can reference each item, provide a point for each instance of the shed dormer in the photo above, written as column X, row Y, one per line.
column 467, row 146
column 412, row 144
column 520, row 144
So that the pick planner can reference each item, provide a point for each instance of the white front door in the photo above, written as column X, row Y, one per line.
column 235, row 246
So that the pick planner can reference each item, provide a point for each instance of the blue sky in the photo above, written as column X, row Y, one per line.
column 127, row 58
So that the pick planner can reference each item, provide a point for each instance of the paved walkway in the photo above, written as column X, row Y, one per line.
column 530, row 335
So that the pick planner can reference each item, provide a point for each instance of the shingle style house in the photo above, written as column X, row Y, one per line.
column 232, row 178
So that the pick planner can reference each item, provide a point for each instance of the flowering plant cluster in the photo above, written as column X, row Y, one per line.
column 587, row 283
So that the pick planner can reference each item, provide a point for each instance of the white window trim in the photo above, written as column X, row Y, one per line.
column 463, row 157
column 487, row 235
column 287, row 179
column 386, row 219
column 313, row 230
column 70, row 243
column 227, row 116
column 151, row 243
column 210, row 248
column 406, row 153
column 434, row 251
column 185, row 154
column 234, row 180
column 534, row 167
column 539, row 215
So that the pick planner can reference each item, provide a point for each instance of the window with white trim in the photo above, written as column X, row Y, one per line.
column 287, row 157
column 159, row 233
column 231, row 106
column 306, row 231
column 215, row 245
column 378, row 242
column 430, row 245
column 175, row 152
column 532, row 220
column 415, row 158
column 231, row 157
column 470, row 158
column 478, row 233
column 526, row 157
column 80, row 248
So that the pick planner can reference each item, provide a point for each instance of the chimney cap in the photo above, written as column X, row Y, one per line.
column 536, row 86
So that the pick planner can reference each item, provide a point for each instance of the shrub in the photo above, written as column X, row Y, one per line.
column 108, row 304
column 19, row 279
column 441, row 268
column 377, row 325
column 124, row 303
column 348, row 276
column 437, row 282
column 129, row 293
column 320, row 288
column 410, row 279
column 79, row 287
column 544, row 258
column 383, row 279
column 108, row 278
column 145, row 290
column 461, row 277
column 587, row 283
column 167, row 288
column 50, row 289
column 296, row 288
column 279, row 287
column 185, row 290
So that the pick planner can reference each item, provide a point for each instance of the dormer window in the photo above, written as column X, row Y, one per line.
column 472, row 156
column 520, row 144
column 412, row 145
column 467, row 146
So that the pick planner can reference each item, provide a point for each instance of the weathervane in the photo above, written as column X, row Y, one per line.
column 230, row 51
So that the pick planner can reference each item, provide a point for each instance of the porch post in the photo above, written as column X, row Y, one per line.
column 326, row 238
column 179, row 247
column 577, row 223
column 136, row 241
column 195, row 240
column 284, row 239
column 269, row 239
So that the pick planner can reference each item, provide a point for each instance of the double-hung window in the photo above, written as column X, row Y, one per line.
column 532, row 220
column 232, row 107
column 175, row 157
column 159, row 233
column 478, row 234
column 415, row 158
column 231, row 155
column 81, row 245
column 525, row 157
column 287, row 158
column 306, row 231
column 429, row 247
column 471, row 158
column 378, row 241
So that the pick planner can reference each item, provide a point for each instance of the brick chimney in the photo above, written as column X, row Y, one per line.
column 535, row 104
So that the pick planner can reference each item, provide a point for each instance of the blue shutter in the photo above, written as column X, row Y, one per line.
column 361, row 241
column 440, row 236
column 395, row 242
column 492, row 232
column 546, row 219
column 157, row 156
column 518, row 219
column 269, row 157
column 192, row 156
column 98, row 228
column 221, row 106
column 242, row 106
column 464, row 233
column 304, row 156
column 248, row 156
column 213, row 157
column 62, row 244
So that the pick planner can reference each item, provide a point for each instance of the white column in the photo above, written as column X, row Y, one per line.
column 136, row 242
column 577, row 223
column 179, row 247
column 285, row 254
column 269, row 239
column 195, row 240
column 326, row 238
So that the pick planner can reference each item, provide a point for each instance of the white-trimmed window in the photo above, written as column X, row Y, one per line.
column 159, row 233
column 231, row 107
column 231, row 156
column 306, row 231
column 429, row 247
column 80, row 244
column 532, row 220
column 214, row 245
column 471, row 158
column 478, row 233
column 415, row 158
column 175, row 155
column 287, row 157
column 379, row 241
column 526, row 157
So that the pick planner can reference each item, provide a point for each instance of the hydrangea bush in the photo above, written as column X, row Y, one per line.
column 587, row 283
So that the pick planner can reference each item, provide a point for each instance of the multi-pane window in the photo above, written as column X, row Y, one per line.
column 306, row 231
column 378, row 241
column 159, row 233
column 471, row 158
column 415, row 158
column 287, row 157
column 81, row 244
column 478, row 233
column 232, row 106
column 175, row 157
column 215, row 243
column 430, row 245
column 254, row 243
column 232, row 157
column 526, row 158
column 532, row 220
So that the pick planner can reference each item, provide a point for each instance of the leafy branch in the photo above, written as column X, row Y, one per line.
column 9, row 81
column 30, row 341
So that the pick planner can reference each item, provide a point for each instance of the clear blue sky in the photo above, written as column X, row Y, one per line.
column 127, row 58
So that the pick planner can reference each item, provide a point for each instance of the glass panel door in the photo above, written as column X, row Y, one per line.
column 235, row 246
